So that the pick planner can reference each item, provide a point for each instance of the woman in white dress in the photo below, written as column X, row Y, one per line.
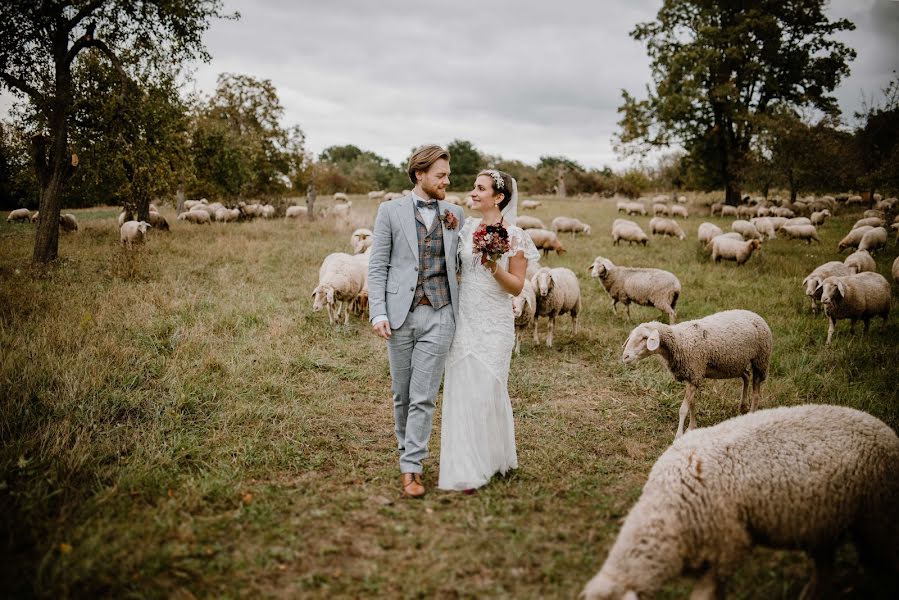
column 477, row 434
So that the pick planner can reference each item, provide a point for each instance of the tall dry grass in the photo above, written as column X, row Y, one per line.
column 175, row 420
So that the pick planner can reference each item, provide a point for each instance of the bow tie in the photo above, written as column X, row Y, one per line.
column 424, row 204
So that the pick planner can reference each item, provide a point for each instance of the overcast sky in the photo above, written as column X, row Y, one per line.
column 520, row 79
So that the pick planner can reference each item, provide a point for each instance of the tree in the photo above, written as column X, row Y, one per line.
column 466, row 163
column 351, row 169
column 877, row 142
column 40, row 43
column 718, row 65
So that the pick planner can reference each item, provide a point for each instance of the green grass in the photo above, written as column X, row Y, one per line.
column 176, row 421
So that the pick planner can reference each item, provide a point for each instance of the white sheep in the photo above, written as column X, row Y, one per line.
column 268, row 211
column 731, row 249
column 746, row 229
column 133, row 233
column 871, row 221
column 819, row 216
column 526, row 222
column 855, row 297
column 621, row 205
column 361, row 240
column 524, row 307
column 197, row 217
column 341, row 278
column 854, row 237
column 342, row 197
column 859, row 261
column 682, row 199
column 563, row 224
column 18, row 215
column 895, row 270
column 557, row 292
column 636, row 208
column 874, row 239
column 765, row 227
column 801, row 232
column 68, row 222
column 530, row 204
column 678, row 210
column 35, row 216
column 546, row 240
column 646, row 287
column 726, row 345
column 341, row 210
column 706, row 232
column 628, row 231
column 728, row 211
column 658, row 225
column 715, row 208
column 800, row 477
column 812, row 283
column 452, row 199
column 783, row 212
column 295, row 212
column 660, row 209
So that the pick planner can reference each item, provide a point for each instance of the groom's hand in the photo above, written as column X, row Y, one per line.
column 383, row 329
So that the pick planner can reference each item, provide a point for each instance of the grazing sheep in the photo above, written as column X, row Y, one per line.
column 894, row 226
column 854, row 237
column 526, row 222
column 746, row 212
column 454, row 200
column 636, row 208
column 361, row 240
column 746, row 229
column 268, row 211
column 728, row 211
column 658, row 225
column 340, row 280
column 726, row 345
column 855, row 297
column 895, row 270
column 874, row 239
column 359, row 304
column 730, row 249
column 524, row 307
column 874, row 213
column 660, row 209
column 227, row 215
column 197, row 217
column 341, row 197
column 374, row 195
column 797, row 221
column 530, row 204
column 715, row 208
column 800, row 477
column 621, row 205
column 801, row 232
column 563, row 224
column 859, row 261
column 68, row 222
column 706, row 232
column 765, row 227
column 341, row 210
column 557, row 292
column 18, row 215
column 682, row 199
column 133, row 233
column 812, row 283
column 678, row 210
column 819, row 216
column 295, row 212
column 546, row 240
column 628, row 231
column 157, row 221
column 871, row 221
column 646, row 287
column 35, row 216
column 783, row 212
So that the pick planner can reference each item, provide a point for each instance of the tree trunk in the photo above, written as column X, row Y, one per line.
column 52, row 172
column 310, row 201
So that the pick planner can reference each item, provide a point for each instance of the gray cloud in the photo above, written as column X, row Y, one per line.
column 518, row 79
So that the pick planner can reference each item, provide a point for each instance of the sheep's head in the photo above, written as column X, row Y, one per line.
column 832, row 293
column 603, row 587
column 321, row 296
column 518, row 304
column 587, row 229
column 754, row 245
column 642, row 342
column 143, row 226
column 543, row 282
column 600, row 267
column 812, row 285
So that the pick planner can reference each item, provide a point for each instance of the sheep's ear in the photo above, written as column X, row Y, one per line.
column 590, row 268
column 842, row 287
column 330, row 296
column 652, row 342
column 314, row 292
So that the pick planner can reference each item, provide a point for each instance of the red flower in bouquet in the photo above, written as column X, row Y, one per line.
column 490, row 241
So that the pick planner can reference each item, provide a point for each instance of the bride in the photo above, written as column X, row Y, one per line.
column 477, row 434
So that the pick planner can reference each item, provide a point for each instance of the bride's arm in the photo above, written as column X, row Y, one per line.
column 511, row 280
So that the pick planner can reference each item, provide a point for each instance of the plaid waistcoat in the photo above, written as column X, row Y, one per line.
column 432, row 278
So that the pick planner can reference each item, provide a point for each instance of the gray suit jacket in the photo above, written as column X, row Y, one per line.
column 393, row 261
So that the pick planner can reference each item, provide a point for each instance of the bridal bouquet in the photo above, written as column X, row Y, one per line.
column 491, row 242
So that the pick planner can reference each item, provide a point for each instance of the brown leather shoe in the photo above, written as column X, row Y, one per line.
column 412, row 486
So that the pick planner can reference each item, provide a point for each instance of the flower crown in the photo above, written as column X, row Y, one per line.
column 498, row 182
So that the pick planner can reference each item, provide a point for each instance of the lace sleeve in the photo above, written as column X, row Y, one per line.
column 463, row 231
column 519, row 241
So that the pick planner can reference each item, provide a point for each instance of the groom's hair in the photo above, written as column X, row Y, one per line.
column 423, row 158
column 507, row 186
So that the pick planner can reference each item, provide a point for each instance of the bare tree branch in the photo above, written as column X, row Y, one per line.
column 23, row 86
column 88, row 41
column 85, row 12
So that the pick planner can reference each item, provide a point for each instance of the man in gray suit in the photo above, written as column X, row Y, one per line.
column 412, row 294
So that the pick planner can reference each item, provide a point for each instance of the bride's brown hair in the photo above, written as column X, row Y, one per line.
column 506, row 191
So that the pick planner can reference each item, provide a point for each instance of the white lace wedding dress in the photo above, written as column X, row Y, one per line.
column 477, row 433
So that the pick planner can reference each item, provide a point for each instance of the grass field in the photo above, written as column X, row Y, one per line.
column 176, row 422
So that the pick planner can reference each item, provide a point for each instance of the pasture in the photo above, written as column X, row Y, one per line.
column 176, row 422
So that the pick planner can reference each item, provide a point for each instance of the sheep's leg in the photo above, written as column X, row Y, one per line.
column 744, row 396
column 830, row 329
column 517, row 343
column 346, row 313
column 574, row 322
column 549, row 335
column 672, row 316
column 822, row 576
column 330, row 314
column 867, row 323
column 756, row 392
column 852, row 326
column 536, row 336
column 686, row 407
column 709, row 587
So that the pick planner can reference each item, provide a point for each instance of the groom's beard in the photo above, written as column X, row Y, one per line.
column 434, row 193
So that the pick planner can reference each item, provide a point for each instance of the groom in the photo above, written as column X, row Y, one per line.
column 412, row 293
